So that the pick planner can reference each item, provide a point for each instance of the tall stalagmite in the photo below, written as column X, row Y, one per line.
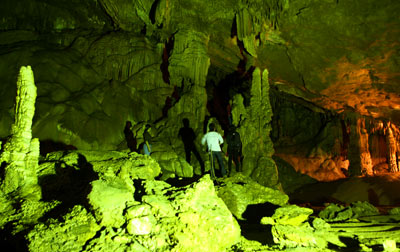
column 255, row 126
column 21, row 153
column 359, row 155
column 392, row 148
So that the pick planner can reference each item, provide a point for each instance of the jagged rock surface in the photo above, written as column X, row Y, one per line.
column 240, row 192
column 162, row 218
column 20, row 155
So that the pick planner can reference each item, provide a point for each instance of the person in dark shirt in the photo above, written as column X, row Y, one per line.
column 188, row 137
column 234, row 149
column 130, row 139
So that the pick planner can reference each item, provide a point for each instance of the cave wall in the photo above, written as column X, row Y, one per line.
column 327, row 146
column 99, row 64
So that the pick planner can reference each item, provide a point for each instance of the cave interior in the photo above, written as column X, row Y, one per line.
column 312, row 87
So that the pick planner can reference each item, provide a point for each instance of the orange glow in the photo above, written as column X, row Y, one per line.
column 360, row 86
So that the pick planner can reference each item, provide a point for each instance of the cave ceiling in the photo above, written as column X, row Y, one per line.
column 341, row 55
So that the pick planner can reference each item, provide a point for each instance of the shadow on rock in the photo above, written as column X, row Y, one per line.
column 251, row 227
column 47, row 146
column 70, row 185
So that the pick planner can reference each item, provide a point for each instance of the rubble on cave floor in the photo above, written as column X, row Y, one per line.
column 127, row 208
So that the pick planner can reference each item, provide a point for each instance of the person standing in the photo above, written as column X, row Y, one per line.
column 130, row 139
column 213, row 140
column 147, row 140
column 188, row 137
column 234, row 149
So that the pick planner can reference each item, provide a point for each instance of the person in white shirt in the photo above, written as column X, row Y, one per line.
column 214, row 140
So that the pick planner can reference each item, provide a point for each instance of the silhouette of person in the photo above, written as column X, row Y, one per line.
column 130, row 139
column 234, row 149
column 188, row 136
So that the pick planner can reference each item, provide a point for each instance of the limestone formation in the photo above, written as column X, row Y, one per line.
column 255, row 18
column 101, row 63
column 254, row 127
column 359, row 153
column 20, row 155
column 171, row 163
column 292, row 226
column 188, row 68
column 391, row 148
column 156, row 217
column 241, row 193
column 77, row 227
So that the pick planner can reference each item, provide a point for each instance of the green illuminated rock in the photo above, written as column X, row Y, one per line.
column 193, row 219
column 357, row 209
column 291, row 229
column 239, row 191
column 254, row 127
column 20, row 155
column 71, row 234
column 109, row 200
column 291, row 215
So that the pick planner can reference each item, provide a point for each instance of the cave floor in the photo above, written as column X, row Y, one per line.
column 382, row 191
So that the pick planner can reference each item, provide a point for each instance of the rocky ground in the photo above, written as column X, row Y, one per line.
column 115, row 201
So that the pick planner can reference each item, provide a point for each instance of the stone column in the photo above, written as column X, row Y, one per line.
column 365, row 155
column 254, row 128
column 188, row 69
column 359, row 155
column 391, row 148
column 20, row 156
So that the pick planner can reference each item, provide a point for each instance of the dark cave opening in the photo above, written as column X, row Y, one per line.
column 251, row 226
column 221, row 91
column 171, row 100
column 168, row 46
column 13, row 241
column 47, row 146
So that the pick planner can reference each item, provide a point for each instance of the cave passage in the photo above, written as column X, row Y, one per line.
column 220, row 94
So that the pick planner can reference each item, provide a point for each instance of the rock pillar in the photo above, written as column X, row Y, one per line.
column 188, row 69
column 359, row 155
column 21, row 153
column 391, row 148
column 254, row 127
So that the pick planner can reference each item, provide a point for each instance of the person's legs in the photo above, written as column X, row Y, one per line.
column 239, row 165
column 218, row 155
column 188, row 153
column 212, row 162
column 230, row 156
column 146, row 150
column 235, row 155
column 198, row 157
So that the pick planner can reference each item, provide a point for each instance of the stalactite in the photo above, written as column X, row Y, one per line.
column 253, row 17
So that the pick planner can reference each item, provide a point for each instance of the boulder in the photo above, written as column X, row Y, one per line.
column 70, row 234
column 240, row 191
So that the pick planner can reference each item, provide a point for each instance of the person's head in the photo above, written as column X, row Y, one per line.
column 232, row 128
column 128, row 124
column 185, row 122
column 211, row 127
